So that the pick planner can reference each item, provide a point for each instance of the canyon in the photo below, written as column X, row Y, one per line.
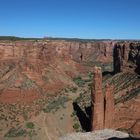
column 36, row 59
column 36, row 74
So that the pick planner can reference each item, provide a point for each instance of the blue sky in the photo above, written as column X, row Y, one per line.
column 97, row 19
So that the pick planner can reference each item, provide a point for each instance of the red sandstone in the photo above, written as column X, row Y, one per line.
column 97, row 101
column 102, row 105
column 109, row 107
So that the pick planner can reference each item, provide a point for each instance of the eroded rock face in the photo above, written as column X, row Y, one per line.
column 126, row 57
column 42, row 61
column 79, row 51
column 109, row 107
column 127, row 116
column 103, row 105
column 97, row 101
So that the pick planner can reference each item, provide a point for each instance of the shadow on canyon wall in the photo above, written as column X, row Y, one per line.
column 117, row 59
column 108, row 73
column 125, row 57
column 84, row 119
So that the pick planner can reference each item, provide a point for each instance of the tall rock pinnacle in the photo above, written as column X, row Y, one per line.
column 102, row 104
column 109, row 107
column 97, row 101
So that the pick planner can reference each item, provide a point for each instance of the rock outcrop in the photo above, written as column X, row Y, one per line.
column 97, row 101
column 102, row 104
column 97, row 135
column 109, row 107
column 126, row 57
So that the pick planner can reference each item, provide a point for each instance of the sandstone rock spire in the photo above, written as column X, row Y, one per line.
column 109, row 107
column 102, row 104
column 97, row 101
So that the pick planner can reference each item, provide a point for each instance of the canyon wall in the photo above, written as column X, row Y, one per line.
column 35, row 68
column 126, row 54
column 52, row 64
column 126, row 57
column 76, row 50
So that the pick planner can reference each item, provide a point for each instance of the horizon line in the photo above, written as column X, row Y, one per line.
column 62, row 38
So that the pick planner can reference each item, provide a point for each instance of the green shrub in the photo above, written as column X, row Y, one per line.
column 76, row 126
column 66, row 90
column 31, row 133
column 56, row 104
column 73, row 114
column 61, row 118
column 79, row 81
column 15, row 132
column 90, row 75
column 27, row 83
column 30, row 125
column 73, row 89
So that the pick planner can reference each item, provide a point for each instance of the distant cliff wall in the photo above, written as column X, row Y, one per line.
column 45, row 50
column 126, row 56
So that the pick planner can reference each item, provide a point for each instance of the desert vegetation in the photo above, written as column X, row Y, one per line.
column 56, row 104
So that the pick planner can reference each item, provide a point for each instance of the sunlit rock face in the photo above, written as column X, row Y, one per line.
column 103, row 106
column 34, row 70
column 97, row 101
column 76, row 50
column 31, row 61
column 35, row 59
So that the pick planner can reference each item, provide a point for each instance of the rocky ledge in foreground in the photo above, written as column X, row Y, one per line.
column 106, row 134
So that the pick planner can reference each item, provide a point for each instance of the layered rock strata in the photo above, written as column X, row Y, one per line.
column 102, row 104
column 109, row 107
column 97, row 101
column 126, row 57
